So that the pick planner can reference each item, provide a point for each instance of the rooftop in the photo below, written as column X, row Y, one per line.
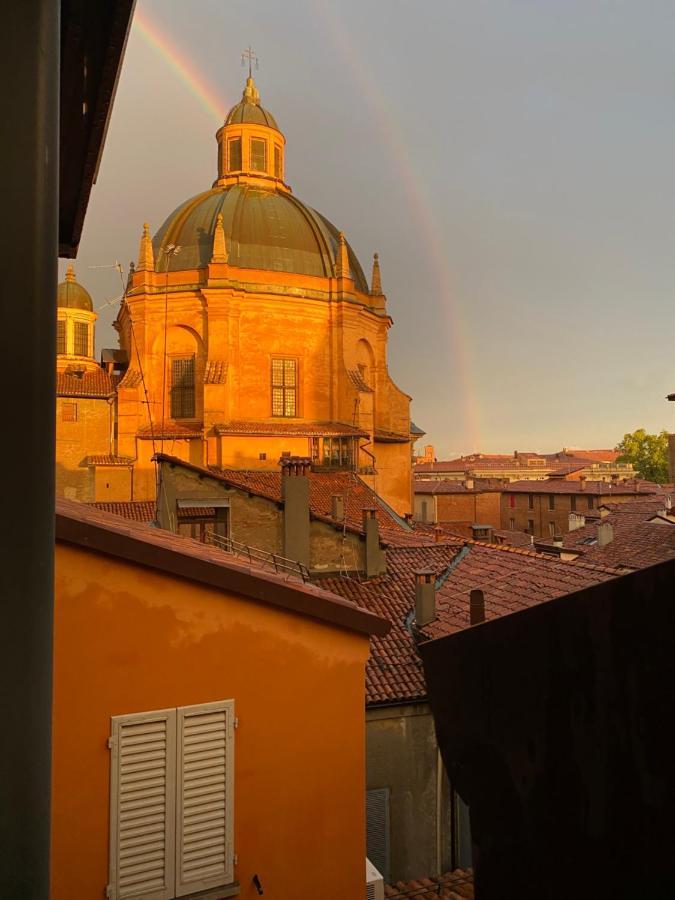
column 74, row 382
column 457, row 885
column 93, row 529
column 597, row 488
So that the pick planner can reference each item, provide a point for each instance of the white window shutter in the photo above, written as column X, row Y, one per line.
column 142, row 806
column 204, row 796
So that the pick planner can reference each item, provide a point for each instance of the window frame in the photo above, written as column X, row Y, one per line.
column 551, row 501
column 287, row 390
column 179, row 392
column 80, row 330
column 251, row 156
column 71, row 406
column 61, row 325
column 230, row 142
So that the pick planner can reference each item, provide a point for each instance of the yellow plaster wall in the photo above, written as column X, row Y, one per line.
column 89, row 435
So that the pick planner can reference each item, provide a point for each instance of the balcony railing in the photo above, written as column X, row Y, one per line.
column 263, row 558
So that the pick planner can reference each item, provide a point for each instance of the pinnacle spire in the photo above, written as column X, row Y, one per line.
column 146, row 257
column 219, row 243
column 70, row 273
column 342, row 260
column 251, row 93
column 376, row 280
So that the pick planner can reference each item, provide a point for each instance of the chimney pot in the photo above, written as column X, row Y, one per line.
column 557, row 540
column 476, row 607
column 338, row 507
column 425, row 596
column 438, row 534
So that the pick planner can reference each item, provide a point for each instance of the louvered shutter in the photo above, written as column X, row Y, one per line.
column 142, row 806
column 377, row 829
column 204, row 797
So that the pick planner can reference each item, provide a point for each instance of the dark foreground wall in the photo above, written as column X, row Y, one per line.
column 556, row 727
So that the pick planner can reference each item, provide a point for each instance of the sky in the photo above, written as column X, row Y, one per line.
column 511, row 161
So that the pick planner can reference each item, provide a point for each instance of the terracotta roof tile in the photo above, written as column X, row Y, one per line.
column 171, row 430
column 106, row 459
column 136, row 510
column 94, row 384
column 290, row 429
column 457, row 885
column 131, row 379
column 359, row 381
column 605, row 488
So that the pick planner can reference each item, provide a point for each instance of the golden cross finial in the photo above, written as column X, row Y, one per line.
column 249, row 56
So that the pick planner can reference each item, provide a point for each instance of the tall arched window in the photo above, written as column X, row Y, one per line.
column 183, row 388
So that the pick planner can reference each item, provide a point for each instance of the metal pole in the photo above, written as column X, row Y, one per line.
column 29, row 82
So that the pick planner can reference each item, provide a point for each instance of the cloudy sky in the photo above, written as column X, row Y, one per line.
column 512, row 161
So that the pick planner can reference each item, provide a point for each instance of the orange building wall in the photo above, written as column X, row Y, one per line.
column 482, row 509
column 88, row 435
column 129, row 639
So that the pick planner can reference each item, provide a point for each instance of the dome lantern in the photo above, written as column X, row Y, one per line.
column 250, row 145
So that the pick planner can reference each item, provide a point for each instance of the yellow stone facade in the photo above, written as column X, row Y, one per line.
column 250, row 332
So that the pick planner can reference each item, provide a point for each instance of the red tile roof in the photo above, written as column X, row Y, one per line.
column 636, row 542
column 94, row 384
column 215, row 371
column 322, row 487
column 457, row 885
column 136, row 510
column 171, row 430
column 512, row 579
column 290, row 429
column 106, row 459
column 84, row 525
column 358, row 381
column 609, row 456
column 445, row 486
column 131, row 379
column 391, row 437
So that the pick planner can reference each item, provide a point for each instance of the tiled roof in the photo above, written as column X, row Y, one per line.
column 511, row 578
column 136, row 510
column 216, row 371
column 359, row 381
column 106, row 459
column 636, row 542
column 96, row 383
column 609, row 456
column 457, row 885
column 322, row 487
column 84, row 525
column 170, row 430
column 391, row 437
column 597, row 488
column 290, row 429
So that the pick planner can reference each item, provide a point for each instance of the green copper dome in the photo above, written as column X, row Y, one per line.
column 264, row 228
column 71, row 295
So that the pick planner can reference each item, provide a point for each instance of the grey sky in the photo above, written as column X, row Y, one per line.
column 512, row 162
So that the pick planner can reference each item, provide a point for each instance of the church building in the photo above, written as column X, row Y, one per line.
column 248, row 332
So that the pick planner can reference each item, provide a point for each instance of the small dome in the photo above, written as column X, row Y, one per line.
column 265, row 229
column 71, row 295
column 249, row 111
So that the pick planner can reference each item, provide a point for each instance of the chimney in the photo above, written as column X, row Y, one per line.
column 605, row 534
column 575, row 521
column 669, row 503
column 468, row 484
column 557, row 540
column 515, row 454
column 337, row 505
column 438, row 534
column 582, row 482
column 408, row 518
column 425, row 596
column 295, row 496
column 476, row 607
column 376, row 563
column 482, row 533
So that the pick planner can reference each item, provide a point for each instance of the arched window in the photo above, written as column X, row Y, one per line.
column 183, row 388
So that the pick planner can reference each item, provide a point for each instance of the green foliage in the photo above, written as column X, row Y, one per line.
column 647, row 452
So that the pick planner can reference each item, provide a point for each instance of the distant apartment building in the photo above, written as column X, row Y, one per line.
column 594, row 465
column 459, row 503
column 543, row 508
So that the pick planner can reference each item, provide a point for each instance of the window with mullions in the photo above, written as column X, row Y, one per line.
column 234, row 155
column 183, row 388
column 81, row 339
column 61, row 337
column 277, row 162
column 258, row 155
column 284, row 387
column 337, row 452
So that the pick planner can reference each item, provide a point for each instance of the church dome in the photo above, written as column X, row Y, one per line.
column 265, row 229
column 71, row 295
column 249, row 111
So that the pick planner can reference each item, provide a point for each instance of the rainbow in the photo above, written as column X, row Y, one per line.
column 180, row 65
column 420, row 208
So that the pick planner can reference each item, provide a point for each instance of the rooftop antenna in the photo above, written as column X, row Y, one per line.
column 249, row 56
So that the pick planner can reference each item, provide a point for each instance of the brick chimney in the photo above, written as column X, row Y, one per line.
column 468, row 484
column 425, row 596
column 558, row 540
column 376, row 562
column 476, row 607
column 295, row 495
column 575, row 520
column 483, row 533
column 605, row 534
column 582, row 482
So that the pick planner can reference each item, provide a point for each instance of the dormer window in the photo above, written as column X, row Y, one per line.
column 258, row 155
column 234, row 155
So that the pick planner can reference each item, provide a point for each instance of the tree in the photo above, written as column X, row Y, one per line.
column 647, row 452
